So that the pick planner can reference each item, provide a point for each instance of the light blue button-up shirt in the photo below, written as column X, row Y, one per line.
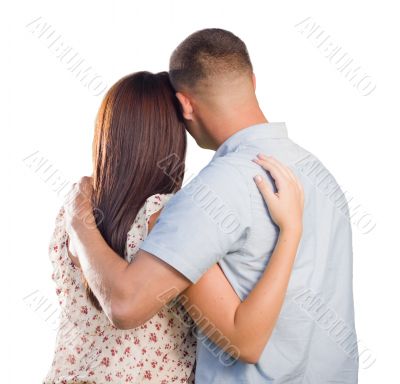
column 221, row 217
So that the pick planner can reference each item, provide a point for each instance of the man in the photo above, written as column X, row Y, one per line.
column 220, row 217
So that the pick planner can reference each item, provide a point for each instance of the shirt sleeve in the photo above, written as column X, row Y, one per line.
column 204, row 222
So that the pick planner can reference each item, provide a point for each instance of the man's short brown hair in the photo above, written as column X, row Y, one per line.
column 206, row 53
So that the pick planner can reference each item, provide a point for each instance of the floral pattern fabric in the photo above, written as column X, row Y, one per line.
column 89, row 349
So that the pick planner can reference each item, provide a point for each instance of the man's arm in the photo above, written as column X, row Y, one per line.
column 129, row 294
column 202, row 223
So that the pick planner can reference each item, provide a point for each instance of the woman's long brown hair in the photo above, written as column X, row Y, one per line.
column 139, row 130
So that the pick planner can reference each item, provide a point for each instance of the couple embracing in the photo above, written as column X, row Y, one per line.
column 210, row 282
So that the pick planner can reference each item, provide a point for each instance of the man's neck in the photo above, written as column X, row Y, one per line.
column 224, row 128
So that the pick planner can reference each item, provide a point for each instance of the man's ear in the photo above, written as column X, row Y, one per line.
column 254, row 81
column 187, row 109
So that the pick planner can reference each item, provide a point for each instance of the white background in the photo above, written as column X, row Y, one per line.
column 48, row 110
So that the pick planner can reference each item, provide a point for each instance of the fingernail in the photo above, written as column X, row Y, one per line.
column 258, row 179
column 261, row 156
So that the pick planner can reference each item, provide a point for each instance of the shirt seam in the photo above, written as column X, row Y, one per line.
column 250, row 205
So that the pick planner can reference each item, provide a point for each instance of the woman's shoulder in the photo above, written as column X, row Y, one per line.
column 143, row 222
column 155, row 203
column 151, row 206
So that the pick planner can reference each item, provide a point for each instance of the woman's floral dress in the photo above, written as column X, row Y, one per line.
column 90, row 350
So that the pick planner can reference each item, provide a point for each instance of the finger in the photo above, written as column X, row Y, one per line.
column 285, row 169
column 302, row 193
column 299, row 186
column 84, row 181
column 280, row 178
column 85, row 186
column 267, row 193
column 281, row 166
column 291, row 173
column 295, row 180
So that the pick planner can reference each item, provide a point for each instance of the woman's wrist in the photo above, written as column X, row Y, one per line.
column 292, row 232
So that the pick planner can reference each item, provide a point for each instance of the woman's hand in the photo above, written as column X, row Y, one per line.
column 78, row 206
column 286, row 205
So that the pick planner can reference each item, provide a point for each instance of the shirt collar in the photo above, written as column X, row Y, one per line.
column 254, row 132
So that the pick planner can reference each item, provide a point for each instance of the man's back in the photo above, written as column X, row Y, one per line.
column 314, row 340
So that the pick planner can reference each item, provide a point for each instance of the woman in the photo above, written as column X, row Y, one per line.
column 139, row 125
